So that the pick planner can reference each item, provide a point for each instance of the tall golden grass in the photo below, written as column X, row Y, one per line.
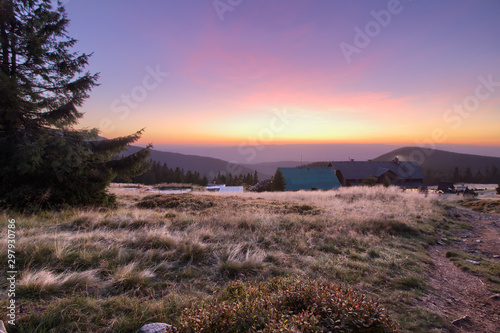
column 373, row 239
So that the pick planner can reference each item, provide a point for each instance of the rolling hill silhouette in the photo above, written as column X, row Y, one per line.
column 204, row 165
column 441, row 160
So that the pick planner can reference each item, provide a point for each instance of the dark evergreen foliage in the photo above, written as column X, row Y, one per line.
column 488, row 175
column 278, row 183
column 456, row 175
column 159, row 173
column 44, row 161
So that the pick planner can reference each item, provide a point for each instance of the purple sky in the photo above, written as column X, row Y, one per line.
column 228, row 72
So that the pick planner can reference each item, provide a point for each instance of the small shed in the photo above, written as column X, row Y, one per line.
column 224, row 189
column 215, row 187
column 231, row 189
column 312, row 178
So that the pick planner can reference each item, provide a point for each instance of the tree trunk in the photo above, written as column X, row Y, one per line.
column 4, row 37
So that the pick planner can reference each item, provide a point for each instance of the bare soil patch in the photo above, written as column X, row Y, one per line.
column 463, row 296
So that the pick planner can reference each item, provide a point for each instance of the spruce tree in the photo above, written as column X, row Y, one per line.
column 278, row 183
column 468, row 175
column 478, row 177
column 494, row 174
column 44, row 160
column 456, row 175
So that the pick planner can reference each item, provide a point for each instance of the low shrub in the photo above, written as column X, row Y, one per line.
column 285, row 305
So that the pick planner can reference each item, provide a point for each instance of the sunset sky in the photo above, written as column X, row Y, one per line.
column 226, row 72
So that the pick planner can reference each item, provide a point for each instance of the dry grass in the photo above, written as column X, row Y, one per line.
column 484, row 206
column 131, row 276
column 45, row 282
column 183, row 247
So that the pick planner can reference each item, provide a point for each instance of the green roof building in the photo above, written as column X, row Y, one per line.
column 312, row 178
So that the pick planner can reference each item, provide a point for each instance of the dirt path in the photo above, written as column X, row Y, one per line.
column 459, row 296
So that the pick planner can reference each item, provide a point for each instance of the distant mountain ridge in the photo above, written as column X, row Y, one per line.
column 441, row 160
column 271, row 167
column 204, row 165
column 260, row 153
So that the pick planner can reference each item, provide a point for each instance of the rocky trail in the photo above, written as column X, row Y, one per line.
column 462, row 297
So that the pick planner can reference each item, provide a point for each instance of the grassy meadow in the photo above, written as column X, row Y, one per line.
column 100, row 270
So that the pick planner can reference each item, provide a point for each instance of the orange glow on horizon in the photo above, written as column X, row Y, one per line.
column 237, row 142
column 305, row 133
